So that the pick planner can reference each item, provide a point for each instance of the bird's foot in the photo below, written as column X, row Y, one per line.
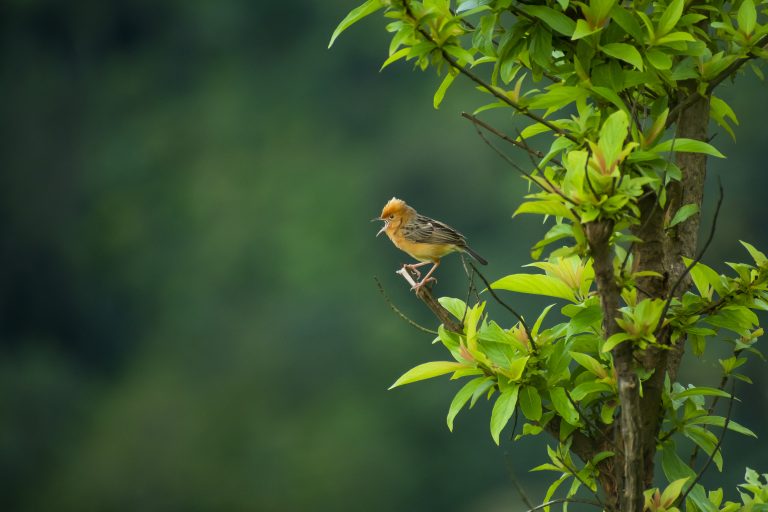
column 418, row 285
column 413, row 269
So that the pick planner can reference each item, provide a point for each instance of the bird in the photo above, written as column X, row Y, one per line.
column 424, row 239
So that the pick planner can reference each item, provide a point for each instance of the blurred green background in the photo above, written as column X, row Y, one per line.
column 188, row 317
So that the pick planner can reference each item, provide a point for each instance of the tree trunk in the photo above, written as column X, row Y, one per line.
column 661, row 251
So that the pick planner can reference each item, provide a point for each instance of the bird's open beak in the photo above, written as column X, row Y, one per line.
column 383, row 227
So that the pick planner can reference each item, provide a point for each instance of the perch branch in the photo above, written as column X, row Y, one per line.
column 425, row 295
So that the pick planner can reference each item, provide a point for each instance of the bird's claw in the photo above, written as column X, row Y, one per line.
column 418, row 285
column 411, row 268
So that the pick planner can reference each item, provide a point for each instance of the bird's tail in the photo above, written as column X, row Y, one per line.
column 472, row 253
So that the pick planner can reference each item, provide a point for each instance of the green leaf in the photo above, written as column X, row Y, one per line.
column 517, row 367
column 427, row 371
column 440, row 93
column 563, row 405
column 701, row 390
column 687, row 146
column 719, row 421
column 530, row 403
column 583, row 29
column 759, row 257
column 503, row 410
column 461, row 398
column 610, row 95
column 683, row 213
column 707, row 441
column 399, row 54
column 590, row 363
column 356, row 15
column 673, row 466
column 614, row 340
column 456, row 307
column 659, row 59
column 459, row 53
column 587, row 388
column 625, row 52
column 670, row 17
column 747, row 17
column 672, row 491
column 623, row 17
column 536, row 284
column 554, row 208
column 555, row 19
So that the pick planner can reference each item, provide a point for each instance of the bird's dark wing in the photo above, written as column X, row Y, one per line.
column 424, row 230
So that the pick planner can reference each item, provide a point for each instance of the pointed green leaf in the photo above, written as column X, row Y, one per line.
column 624, row 18
column 614, row 340
column 536, row 284
column 502, row 411
column 440, row 93
column 670, row 17
column 530, row 403
column 672, row 491
column 701, row 390
column 625, row 52
column 687, row 146
column 517, row 367
column 456, row 307
column 555, row 19
column 759, row 257
column 427, row 371
column 683, row 213
column 590, row 363
column 461, row 398
column 563, row 405
column 747, row 17
column 356, row 15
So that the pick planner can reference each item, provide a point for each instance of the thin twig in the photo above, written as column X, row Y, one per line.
column 398, row 312
column 471, row 287
column 565, row 500
column 552, row 189
column 508, row 308
column 504, row 136
column 516, row 482
column 681, row 499
column 695, row 261
column 575, row 475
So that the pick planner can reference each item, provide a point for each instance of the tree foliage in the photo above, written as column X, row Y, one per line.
column 625, row 92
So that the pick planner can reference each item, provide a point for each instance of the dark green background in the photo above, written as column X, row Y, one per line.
column 188, row 317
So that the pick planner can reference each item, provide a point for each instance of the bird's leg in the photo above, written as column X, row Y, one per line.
column 428, row 277
column 412, row 268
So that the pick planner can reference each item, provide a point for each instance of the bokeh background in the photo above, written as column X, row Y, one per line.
column 188, row 316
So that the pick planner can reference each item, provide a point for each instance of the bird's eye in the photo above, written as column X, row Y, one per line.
column 392, row 216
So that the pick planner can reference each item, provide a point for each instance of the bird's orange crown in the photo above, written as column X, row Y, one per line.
column 396, row 207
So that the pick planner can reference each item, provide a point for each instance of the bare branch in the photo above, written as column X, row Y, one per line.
column 519, row 169
column 427, row 298
column 506, row 137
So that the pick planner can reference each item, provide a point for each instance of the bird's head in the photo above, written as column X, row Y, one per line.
column 393, row 214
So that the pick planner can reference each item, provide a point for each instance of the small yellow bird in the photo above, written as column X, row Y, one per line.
column 424, row 239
